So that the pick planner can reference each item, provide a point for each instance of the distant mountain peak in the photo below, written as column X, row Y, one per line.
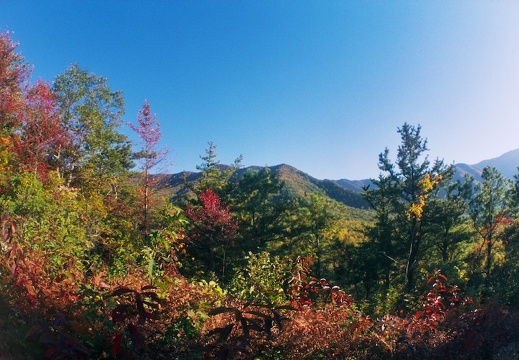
column 297, row 184
column 507, row 163
column 348, row 192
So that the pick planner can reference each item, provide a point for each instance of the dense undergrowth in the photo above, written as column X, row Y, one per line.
column 90, row 318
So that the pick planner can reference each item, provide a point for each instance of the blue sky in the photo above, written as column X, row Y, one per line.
column 320, row 85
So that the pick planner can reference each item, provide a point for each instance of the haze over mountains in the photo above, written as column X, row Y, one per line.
column 507, row 164
column 348, row 192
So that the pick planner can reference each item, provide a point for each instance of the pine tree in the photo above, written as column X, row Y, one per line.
column 400, row 197
column 490, row 209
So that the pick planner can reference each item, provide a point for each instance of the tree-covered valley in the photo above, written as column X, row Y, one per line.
column 104, row 258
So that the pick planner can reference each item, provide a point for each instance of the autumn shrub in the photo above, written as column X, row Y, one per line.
column 264, row 278
column 327, row 324
column 14, row 328
column 159, row 322
column 242, row 328
column 448, row 325
column 332, row 332
column 479, row 334
column 318, row 312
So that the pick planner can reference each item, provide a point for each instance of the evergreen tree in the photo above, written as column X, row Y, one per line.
column 258, row 205
column 490, row 208
column 400, row 197
column 382, row 247
column 447, row 226
column 215, row 176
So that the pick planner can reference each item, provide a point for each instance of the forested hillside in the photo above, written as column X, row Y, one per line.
column 295, row 184
column 100, row 258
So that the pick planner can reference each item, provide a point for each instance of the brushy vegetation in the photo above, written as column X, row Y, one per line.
column 94, row 265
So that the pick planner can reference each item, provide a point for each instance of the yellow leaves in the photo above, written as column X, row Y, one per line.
column 416, row 209
column 5, row 156
column 425, row 186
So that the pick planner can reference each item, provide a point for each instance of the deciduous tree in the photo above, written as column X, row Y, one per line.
column 40, row 136
column 213, row 233
column 91, row 113
column 317, row 226
column 14, row 73
column 148, row 130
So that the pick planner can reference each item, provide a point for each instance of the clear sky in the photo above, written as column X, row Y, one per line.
column 320, row 85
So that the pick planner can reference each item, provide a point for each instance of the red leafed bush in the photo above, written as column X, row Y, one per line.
column 306, row 290
column 439, row 300
column 212, row 216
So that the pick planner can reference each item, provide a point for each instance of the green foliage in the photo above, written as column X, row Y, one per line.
column 91, row 113
column 401, row 198
column 490, row 211
column 341, row 194
column 258, row 207
column 215, row 176
column 264, row 278
column 160, row 256
column 50, row 221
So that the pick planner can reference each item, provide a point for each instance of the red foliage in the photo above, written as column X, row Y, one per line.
column 135, row 300
column 14, row 72
column 301, row 289
column 58, row 342
column 306, row 288
column 149, row 133
column 135, row 307
column 117, row 343
column 441, row 298
column 212, row 215
column 40, row 135
column 29, row 115
column 25, row 273
column 248, row 319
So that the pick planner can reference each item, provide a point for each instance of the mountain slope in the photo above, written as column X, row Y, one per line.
column 465, row 169
column 348, row 192
column 506, row 163
column 354, row 185
column 296, row 184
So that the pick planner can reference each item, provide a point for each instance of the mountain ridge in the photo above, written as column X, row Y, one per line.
column 506, row 163
column 297, row 184
column 348, row 192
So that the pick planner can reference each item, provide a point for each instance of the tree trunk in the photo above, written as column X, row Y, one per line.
column 413, row 252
